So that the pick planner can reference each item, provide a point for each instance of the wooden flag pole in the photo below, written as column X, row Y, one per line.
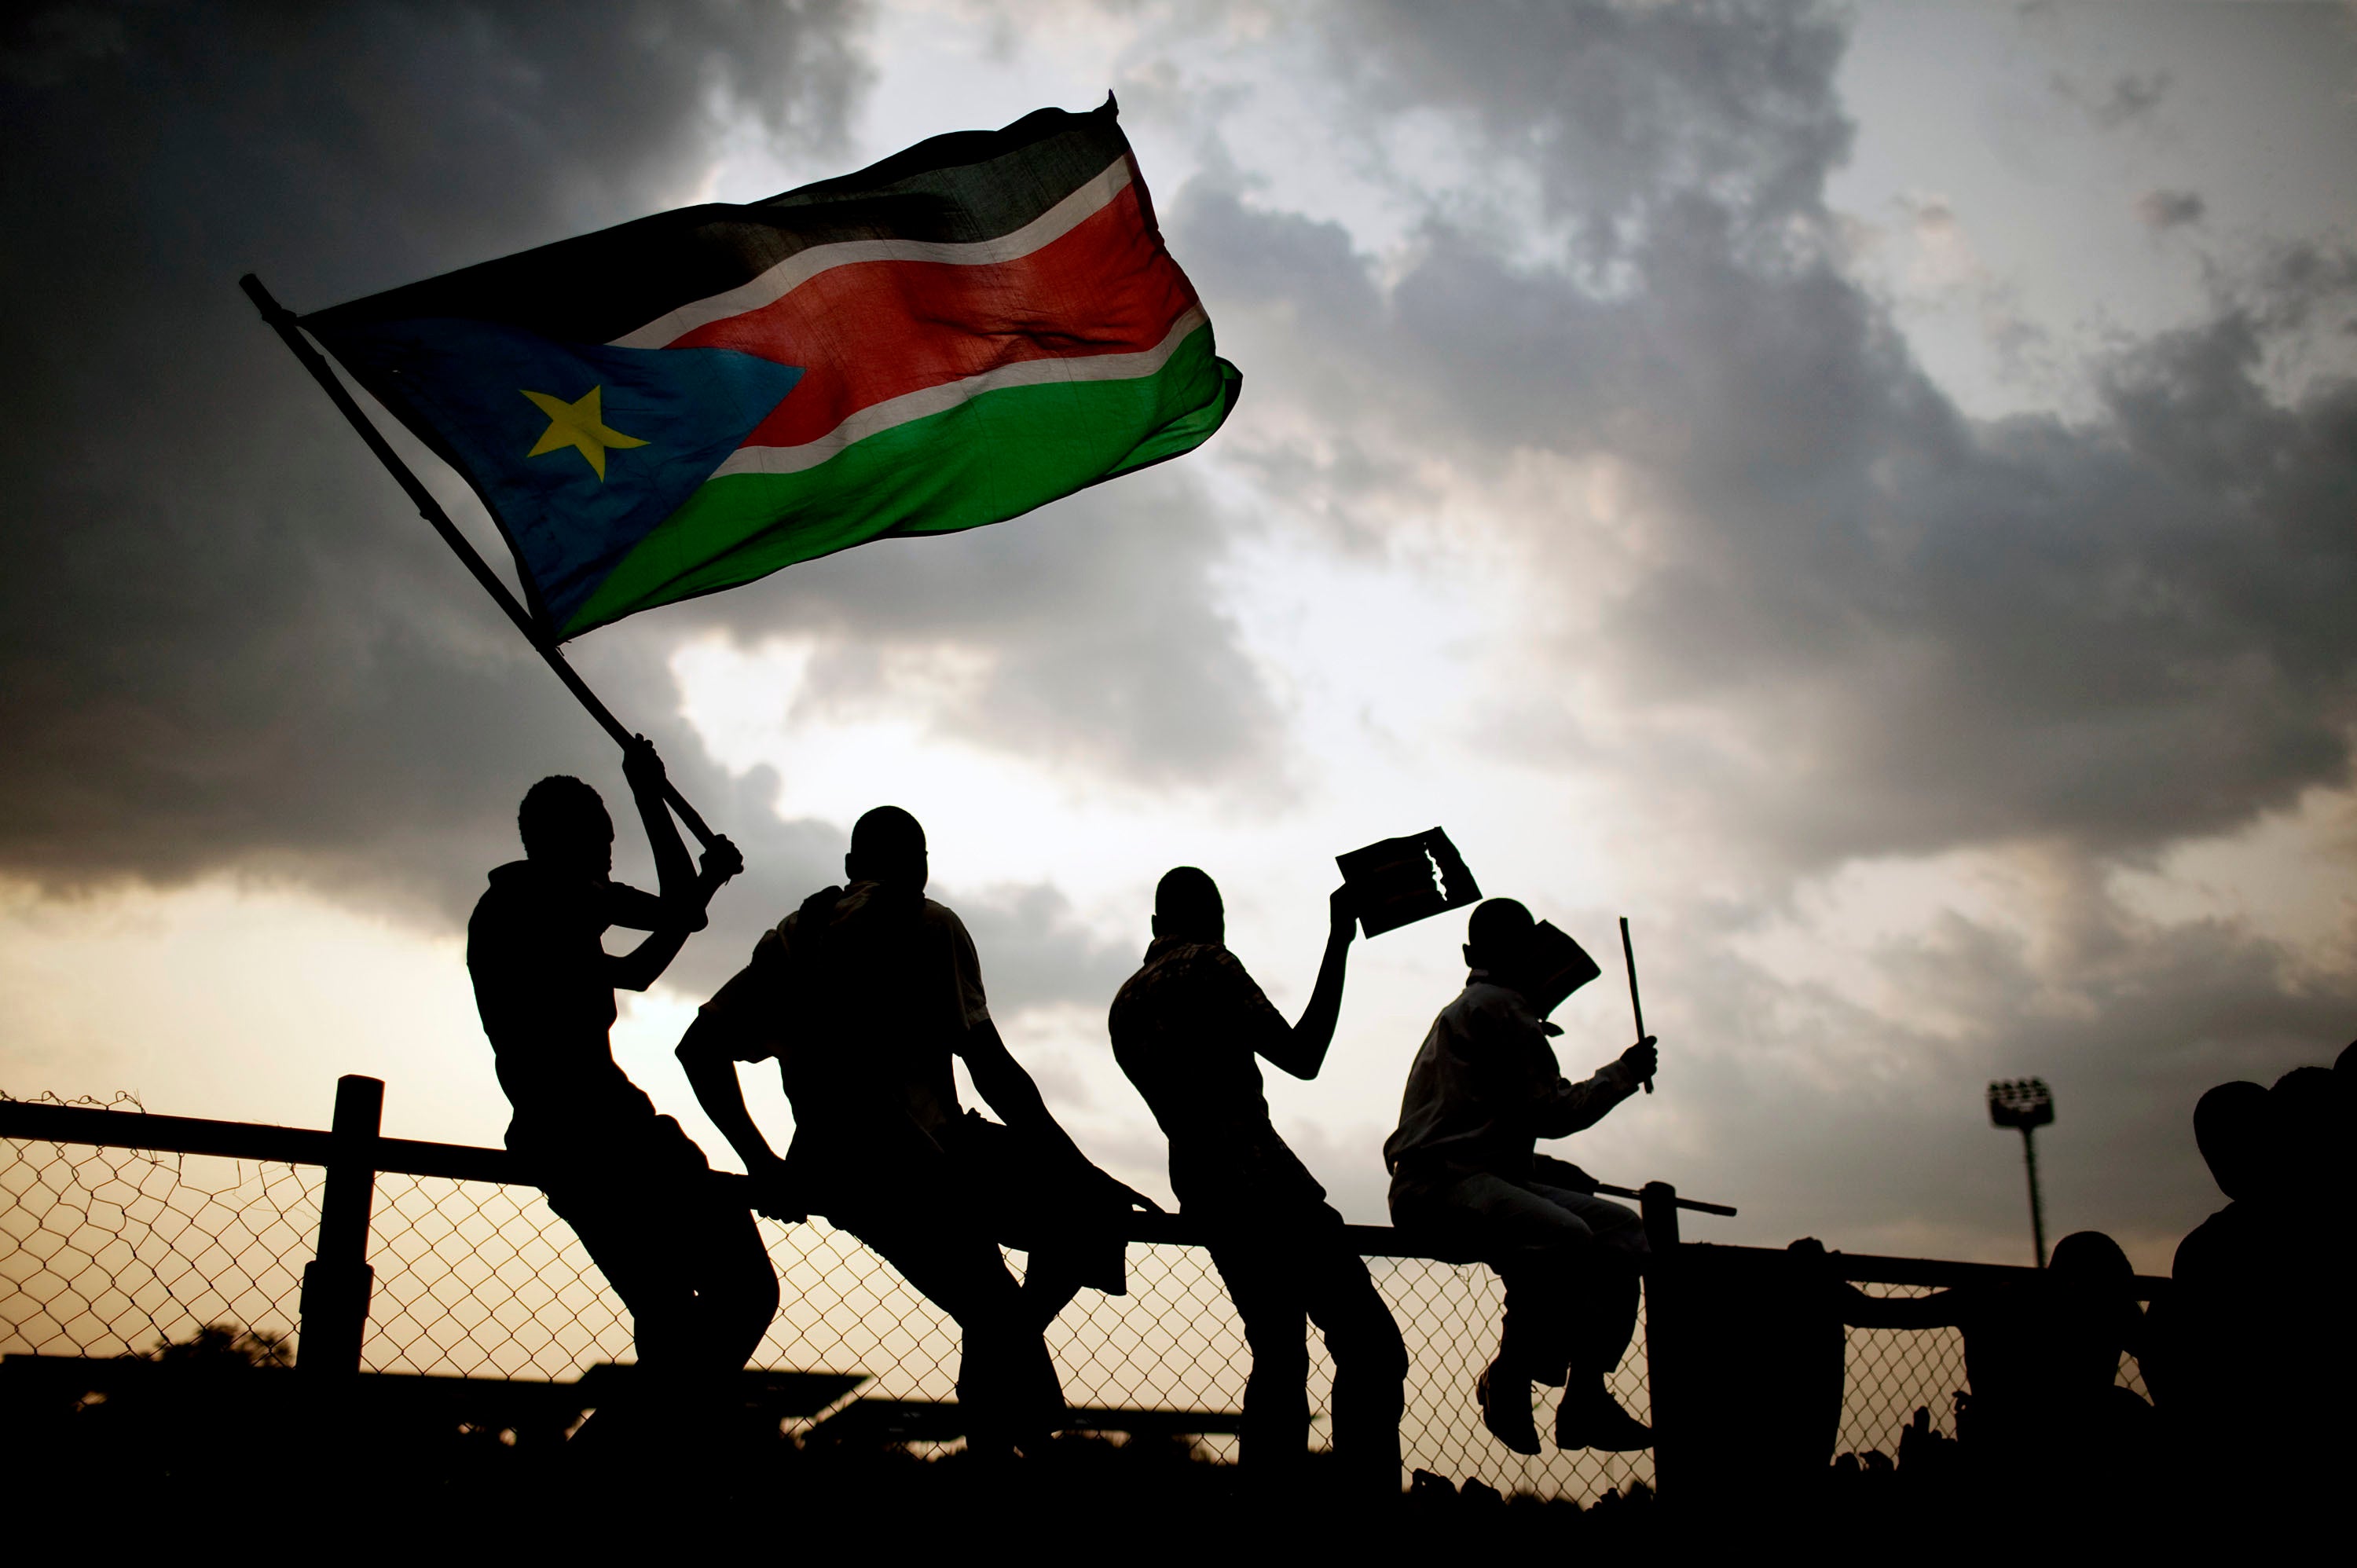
column 1629, row 956
column 283, row 321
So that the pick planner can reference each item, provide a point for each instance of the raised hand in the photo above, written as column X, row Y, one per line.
column 642, row 767
column 721, row 861
column 1341, row 915
column 1640, row 1059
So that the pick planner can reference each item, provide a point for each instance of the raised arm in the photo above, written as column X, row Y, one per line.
column 677, row 910
column 708, row 1053
column 1560, row 1108
column 1301, row 1050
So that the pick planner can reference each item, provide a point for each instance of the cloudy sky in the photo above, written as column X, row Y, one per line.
column 1866, row 495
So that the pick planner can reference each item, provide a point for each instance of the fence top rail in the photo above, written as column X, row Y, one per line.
column 43, row 1122
column 249, row 1141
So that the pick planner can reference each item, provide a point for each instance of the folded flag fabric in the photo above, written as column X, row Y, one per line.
column 953, row 337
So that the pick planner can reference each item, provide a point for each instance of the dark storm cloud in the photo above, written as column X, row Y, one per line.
column 1911, row 631
column 1618, row 108
column 225, row 644
column 224, row 641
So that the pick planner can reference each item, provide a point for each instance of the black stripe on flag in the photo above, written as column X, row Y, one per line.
column 958, row 188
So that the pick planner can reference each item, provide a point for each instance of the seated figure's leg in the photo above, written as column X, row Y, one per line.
column 1603, row 1306
column 735, row 1286
column 1051, row 1281
column 1542, row 1250
column 1007, row 1381
column 1370, row 1363
column 1600, row 1314
column 1263, row 1277
column 628, row 1234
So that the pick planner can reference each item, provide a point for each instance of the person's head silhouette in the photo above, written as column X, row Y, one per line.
column 1498, row 937
column 565, row 828
column 2097, row 1287
column 888, row 846
column 2304, row 1109
column 1186, row 906
column 2230, row 1126
column 2092, row 1259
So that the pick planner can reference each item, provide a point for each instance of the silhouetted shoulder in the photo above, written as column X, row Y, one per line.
column 1172, row 967
column 945, row 941
column 1483, row 1009
column 2221, row 1246
column 1187, row 998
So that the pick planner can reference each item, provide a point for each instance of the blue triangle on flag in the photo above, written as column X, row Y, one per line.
column 679, row 412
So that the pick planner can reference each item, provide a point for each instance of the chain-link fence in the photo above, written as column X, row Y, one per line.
column 111, row 1252
column 108, row 1252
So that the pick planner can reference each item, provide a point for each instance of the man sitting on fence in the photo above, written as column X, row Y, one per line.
column 1186, row 1029
column 1483, row 1088
column 687, row 1262
column 862, row 995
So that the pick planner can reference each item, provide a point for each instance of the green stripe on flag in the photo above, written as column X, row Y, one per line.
column 996, row 456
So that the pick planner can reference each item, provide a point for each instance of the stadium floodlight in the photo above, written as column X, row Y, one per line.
column 2025, row 1103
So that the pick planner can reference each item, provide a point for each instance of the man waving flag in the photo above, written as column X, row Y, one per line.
column 951, row 337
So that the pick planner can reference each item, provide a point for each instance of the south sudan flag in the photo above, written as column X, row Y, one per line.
column 962, row 332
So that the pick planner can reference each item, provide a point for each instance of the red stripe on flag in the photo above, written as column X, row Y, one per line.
column 871, row 330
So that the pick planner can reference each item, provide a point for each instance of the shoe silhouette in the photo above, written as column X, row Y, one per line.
column 1590, row 1417
column 1506, row 1410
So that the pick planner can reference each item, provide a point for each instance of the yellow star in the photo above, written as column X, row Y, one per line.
column 580, row 426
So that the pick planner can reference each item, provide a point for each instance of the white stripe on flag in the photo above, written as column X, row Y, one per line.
column 803, row 265
column 927, row 400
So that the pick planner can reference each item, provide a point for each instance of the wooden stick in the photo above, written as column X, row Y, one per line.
column 1696, row 1204
column 283, row 321
column 1629, row 956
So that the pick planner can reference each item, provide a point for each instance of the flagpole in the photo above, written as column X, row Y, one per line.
column 283, row 321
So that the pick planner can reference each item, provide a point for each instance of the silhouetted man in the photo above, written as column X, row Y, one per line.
column 2262, row 1284
column 1186, row 1029
column 862, row 995
column 688, row 1263
column 2222, row 1276
column 2042, row 1353
column 1484, row 1087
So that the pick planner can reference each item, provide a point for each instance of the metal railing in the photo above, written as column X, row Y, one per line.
column 121, row 1230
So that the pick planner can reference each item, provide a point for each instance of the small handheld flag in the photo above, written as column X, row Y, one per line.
column 1400, row 881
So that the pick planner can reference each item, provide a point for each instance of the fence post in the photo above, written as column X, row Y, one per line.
column 338, row 1281
column 1657, row 1201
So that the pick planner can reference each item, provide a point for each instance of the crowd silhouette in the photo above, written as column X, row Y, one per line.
column 865, row 993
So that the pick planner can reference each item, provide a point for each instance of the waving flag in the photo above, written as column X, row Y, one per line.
column 682, row 404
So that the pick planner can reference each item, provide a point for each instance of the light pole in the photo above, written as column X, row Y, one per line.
column 2029, row 1104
